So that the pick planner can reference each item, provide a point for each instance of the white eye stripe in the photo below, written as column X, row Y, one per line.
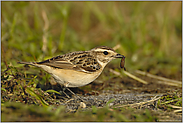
column 102, row 50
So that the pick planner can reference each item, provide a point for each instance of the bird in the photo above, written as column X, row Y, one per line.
column 78, row 68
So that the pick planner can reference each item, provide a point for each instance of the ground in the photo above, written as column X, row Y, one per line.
column 149, row 90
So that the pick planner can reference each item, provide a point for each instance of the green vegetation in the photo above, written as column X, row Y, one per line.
column 35, row 113
column 149, row 34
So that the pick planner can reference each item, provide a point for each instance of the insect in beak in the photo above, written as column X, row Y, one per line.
column 122, row 64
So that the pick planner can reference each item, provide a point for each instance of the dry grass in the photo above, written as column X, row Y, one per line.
column 148, row 34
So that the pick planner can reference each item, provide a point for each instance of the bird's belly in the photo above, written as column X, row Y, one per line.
column 74, row 78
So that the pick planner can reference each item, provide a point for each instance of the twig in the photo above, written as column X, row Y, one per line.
column 173, row 106
column 128, row 74
column 117, row 47
column 45, row 30
column 156, row 77
column 115, row 72
column 134, row 77
column 170, row 83
column 169, row 101
column 179, row 109
column 141, row 103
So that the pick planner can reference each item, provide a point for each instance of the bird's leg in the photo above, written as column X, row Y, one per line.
column 66, row 94
column 63, row 91
column 65, row 85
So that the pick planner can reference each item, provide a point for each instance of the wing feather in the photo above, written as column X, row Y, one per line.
column 76, row 63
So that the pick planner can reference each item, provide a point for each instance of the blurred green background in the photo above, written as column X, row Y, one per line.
column 148, row 33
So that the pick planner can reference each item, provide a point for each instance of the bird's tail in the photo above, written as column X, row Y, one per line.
column 28, row 63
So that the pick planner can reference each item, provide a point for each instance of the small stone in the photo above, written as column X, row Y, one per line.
column 82, row 105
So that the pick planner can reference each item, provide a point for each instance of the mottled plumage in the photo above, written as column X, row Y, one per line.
column 78, row 68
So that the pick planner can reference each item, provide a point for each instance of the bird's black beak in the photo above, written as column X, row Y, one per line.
column 119, row 56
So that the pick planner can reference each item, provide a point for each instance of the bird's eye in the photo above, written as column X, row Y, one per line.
column 105, row 53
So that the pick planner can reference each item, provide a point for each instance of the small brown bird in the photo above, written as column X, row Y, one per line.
column 79, row 68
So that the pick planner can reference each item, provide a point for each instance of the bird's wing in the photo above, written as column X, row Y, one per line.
column 57, row 62
column 77, row 64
